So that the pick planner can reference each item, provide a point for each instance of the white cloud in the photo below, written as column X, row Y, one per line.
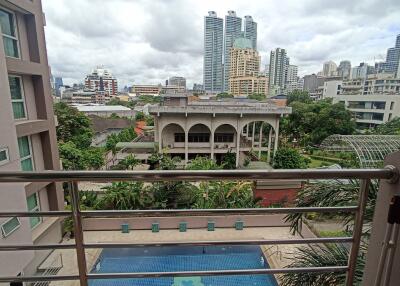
column 148, row 41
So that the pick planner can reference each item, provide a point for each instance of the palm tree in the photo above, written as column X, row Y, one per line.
column 328, row 193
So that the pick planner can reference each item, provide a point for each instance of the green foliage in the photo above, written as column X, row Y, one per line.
column 128, row 163
column 300, row 96
column 257, row 96
column 391, row 127
column 140, row 116
column 202, row 163
column 117, row 101
column 149, row 120
column 289, row 158
column 311, row 123
column 125, row 196
column 74, row 158
column 229, row 161
column 223, row 95
column 114, row 116
column 126, row 135
column 162, row 161
column 149, row 99
column 73, row 126
column 225, row 194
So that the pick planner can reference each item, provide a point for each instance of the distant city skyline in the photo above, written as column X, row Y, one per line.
column 166, row 39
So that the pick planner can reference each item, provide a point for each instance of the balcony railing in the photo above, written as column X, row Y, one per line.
column 388, row 175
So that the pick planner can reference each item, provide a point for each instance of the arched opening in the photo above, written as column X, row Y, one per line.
column 258, row 139
column 225, row 137
column 173, row 137
column 199, row 140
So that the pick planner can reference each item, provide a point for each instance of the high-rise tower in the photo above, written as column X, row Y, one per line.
column 278, row 68
column 250, row 30
column 213, row 46
column 233, row 30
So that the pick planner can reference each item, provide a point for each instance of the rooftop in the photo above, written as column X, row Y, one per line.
column 99, row 108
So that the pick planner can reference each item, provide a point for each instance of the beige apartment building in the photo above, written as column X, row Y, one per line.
column 244, row 77
column 28, row 137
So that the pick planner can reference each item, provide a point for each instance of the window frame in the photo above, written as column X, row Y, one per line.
column 3, row 234
column 5, row 149
column 15, row 38
column 30, row 156
column 35, row 209
column 22, row 97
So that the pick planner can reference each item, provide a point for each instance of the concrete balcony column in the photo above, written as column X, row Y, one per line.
column 380, row 230
column 276, row 136
column 237, row 148
column 260, row 141
column 269, row 145
column 212, row 145
column 186, row 147
column 254, row 133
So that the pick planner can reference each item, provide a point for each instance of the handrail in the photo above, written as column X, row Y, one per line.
column 388, row 172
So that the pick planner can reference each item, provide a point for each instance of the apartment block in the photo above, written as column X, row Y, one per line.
column 28, row 140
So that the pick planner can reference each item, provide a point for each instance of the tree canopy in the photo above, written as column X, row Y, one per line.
column 73, row 125
column 289, row 158
column 257, row 96
column 391, row 127
column 299, row 96
column 311, row 123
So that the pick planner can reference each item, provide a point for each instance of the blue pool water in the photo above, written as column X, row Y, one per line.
column 162, row 259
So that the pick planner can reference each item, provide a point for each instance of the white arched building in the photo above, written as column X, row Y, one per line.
column 214, row 127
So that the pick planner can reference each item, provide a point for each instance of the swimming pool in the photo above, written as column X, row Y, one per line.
column 161, row 259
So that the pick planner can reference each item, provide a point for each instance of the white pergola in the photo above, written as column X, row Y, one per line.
column 371, row 150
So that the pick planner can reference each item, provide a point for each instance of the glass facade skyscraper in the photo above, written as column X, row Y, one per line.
column 250, row 30
column 393, row 58
column 233, row 31
column 213, row 47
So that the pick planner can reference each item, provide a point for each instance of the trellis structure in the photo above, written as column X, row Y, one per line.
column 371, row 150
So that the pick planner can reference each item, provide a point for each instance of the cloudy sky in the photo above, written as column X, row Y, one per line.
column 147, row 41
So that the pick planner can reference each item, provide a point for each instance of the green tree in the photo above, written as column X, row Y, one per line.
column 72, row 157
column 223, row 95
column 73, row 125
column 93, row 158
column 391, row 127
column 125, row 196
column 311, row 123
column 139, row 116
column 299, row 96
column 288, row 158
column 225, row 194
column 128, row 163
column 229, row 160
column 257, row 96
column 202, row 163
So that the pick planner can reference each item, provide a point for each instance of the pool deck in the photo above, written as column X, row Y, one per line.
column 278, row 256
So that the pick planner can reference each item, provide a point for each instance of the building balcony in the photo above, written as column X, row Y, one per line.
column 382, row 258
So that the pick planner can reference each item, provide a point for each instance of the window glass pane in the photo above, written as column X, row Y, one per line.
column 10, row 47
column 18, row 110
column 26, row 165
column 15, row 87
column 3, row 155
column 23, row 144
column 32, row 202
column 34, row 221
column 7, row 23
column 10, row 226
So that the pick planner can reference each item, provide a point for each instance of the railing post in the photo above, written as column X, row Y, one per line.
column 378, row 243
column 357, row 231
column 78, row 231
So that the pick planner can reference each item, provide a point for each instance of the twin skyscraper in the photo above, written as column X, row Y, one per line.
column 217, row 45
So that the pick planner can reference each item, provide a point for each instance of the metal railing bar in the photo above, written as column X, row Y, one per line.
column 223, row 242
column 78, row 231
column 217, row 272
column 6, row 279
column 174, row 274
column 36, row 247
column 183, row 212
column 197, row 175
column 357, row 231
column 180, row 243
column 36, row 214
